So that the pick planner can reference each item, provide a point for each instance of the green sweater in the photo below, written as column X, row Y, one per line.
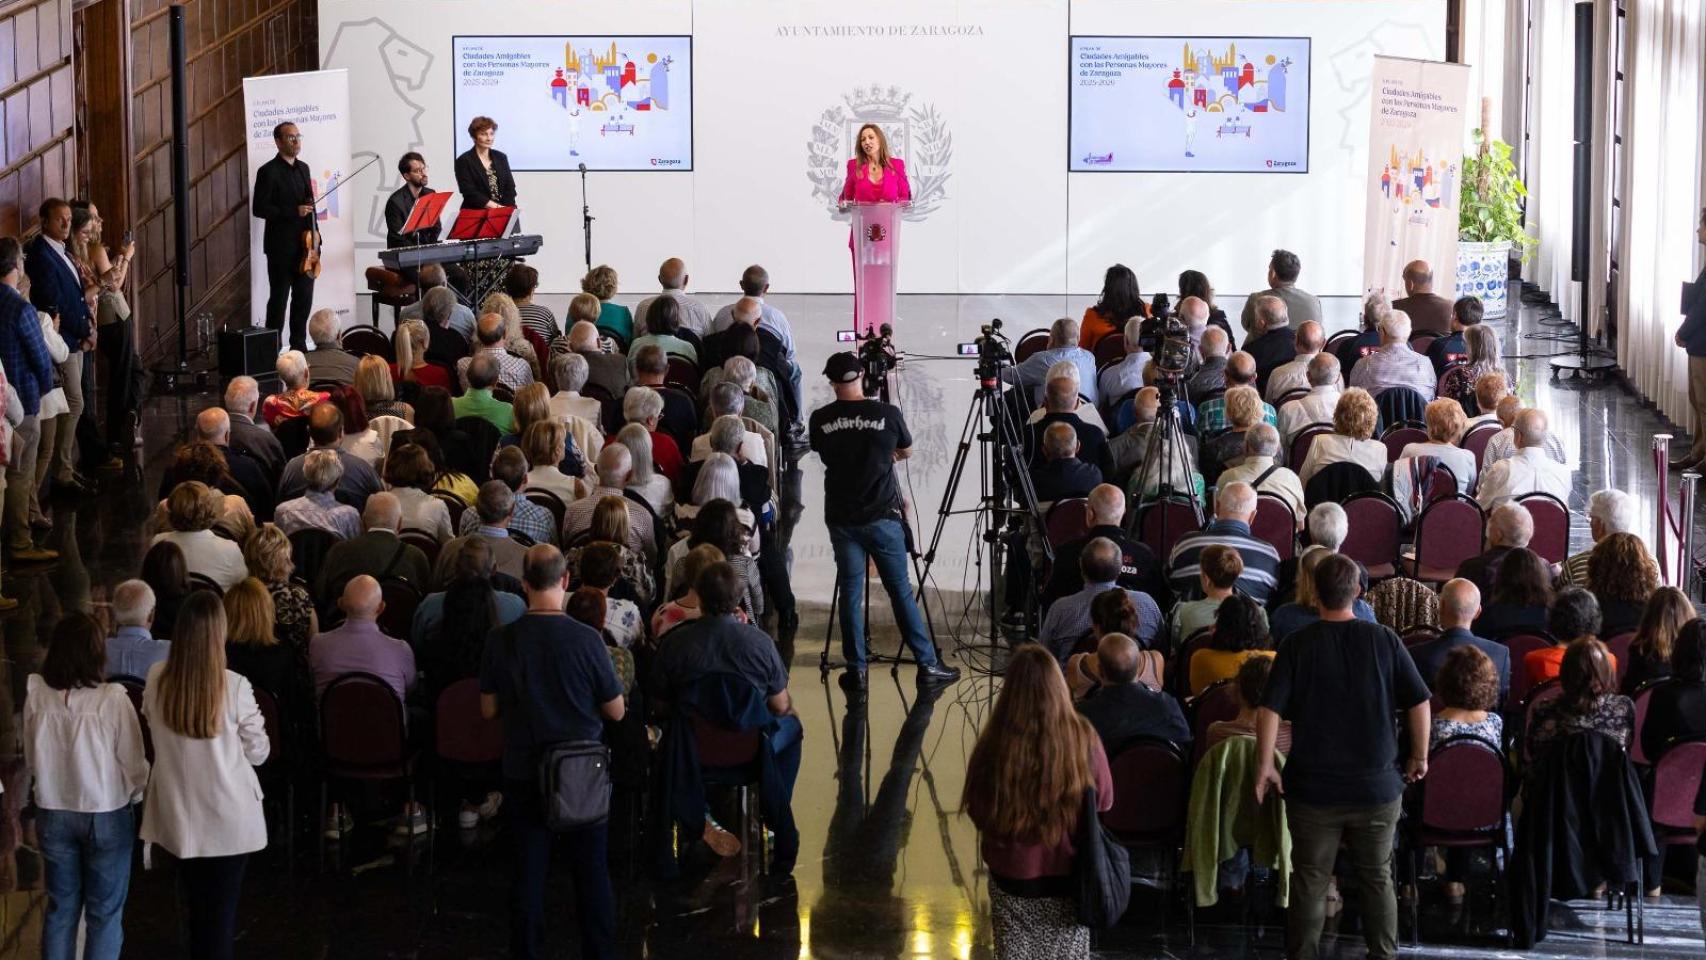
column 1224, row 818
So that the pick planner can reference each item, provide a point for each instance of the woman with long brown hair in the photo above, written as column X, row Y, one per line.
column 1621, row 576
column 1025, row 786
column 1667, row 611
column 204, row 801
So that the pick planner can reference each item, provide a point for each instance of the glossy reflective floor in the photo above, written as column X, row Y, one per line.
column 887, row 868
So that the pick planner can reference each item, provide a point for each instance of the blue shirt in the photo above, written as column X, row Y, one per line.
column 23, row 353
column 1069, row 618
column 132, row 651
column 1033, row 373
column 567, row 677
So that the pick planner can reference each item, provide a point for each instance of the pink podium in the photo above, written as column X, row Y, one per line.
column 876, row 260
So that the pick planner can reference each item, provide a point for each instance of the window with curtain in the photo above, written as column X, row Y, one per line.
column 1663, row 181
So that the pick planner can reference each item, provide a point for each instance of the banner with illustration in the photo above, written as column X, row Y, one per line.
column 318, row 103
column 1415, row 167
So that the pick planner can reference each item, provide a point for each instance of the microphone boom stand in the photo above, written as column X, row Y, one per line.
column 586, row 219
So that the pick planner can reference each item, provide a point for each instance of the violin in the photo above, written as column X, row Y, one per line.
column 310, row 267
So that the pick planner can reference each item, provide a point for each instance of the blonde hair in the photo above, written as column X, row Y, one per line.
column 1445, row 420
column 190, row 690
column 411, row 344
column 584, row 306
column 249, row 614
column 1355, row 414
column 600, row 281
column 1305, row 595
column 373, row 381
column 268, row 554
column 1243, row 407
column 532, row 404
column 543, row 442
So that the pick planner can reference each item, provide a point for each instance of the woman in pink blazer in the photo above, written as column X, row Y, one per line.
column 872, row 177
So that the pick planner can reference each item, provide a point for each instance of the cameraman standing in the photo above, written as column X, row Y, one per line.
column 859, row 440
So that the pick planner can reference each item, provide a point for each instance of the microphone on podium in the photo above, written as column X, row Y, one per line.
column 583, row 168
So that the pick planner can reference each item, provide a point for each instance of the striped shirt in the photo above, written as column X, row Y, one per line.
column 540, row 320
column 1261, row 560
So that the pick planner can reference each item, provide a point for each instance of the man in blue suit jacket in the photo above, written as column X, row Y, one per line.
column 29, row 369
column 56, row 288
column 1459, row 605
column 1691, row 336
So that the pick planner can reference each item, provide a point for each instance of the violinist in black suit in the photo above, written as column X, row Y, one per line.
column 284, row 198
column 482, row 174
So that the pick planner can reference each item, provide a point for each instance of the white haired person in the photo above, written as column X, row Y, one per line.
column 1609, row 512
column 295, row 399
column 318, row 507
column 645, row 478
column 1394, row 364
column 1531, row 470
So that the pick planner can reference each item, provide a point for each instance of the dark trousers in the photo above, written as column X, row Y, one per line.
column 209, row 888
column 773, row 568
column 1316, row 833
column 124, row 394
column 589, row 862
column 91, row 450
column 285, row 282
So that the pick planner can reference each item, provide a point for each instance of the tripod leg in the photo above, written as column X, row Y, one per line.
column 829, row 629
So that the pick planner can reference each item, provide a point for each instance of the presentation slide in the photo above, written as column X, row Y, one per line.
column 1189, row 104
column 610, row 102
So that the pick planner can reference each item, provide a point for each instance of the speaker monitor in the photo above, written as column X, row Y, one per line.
column 251, row 351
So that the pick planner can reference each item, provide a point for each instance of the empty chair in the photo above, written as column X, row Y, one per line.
column 1066, row 520
column 364, row 339
column 1372, row 524
column 1460, row 805
column 1028, row 344
column 1448, row 532
column 1551, row 538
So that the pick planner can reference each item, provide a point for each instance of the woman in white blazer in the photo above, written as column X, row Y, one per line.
column 204, row 800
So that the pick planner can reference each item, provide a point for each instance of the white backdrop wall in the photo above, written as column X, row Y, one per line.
column 977, row 93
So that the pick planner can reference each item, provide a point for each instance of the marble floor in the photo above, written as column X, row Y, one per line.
column 887, row 866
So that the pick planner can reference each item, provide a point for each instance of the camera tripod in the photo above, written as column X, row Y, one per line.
column 1007, row 504
column 1166, row 459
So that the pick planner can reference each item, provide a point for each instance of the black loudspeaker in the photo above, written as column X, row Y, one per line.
column 252, row 352
column 1581, row 193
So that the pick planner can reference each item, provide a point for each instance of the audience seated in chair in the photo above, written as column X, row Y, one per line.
column 1654, row 643
column 1622, row 575
column 662, row 322
column 242, row 404
column 133, row 648
column 192, row 510
column 1261, row 469
column 1505, row 443
column 1068, row 618
column 1063, row 472
column 645, row 407
column 1459, row 606
column 1240, row 632
column 606, row 370
column 690, row 312
column 1395, row 364
column 1305, row 605
column 451, row 625
column 1033, row 372
column 1589, row 699
column 1069, row 400
column 513, row 371
column 1520, row 598
column 478, row 401
column 1243, row 412
column 447, row 345
column 1509, row 527
column 326, row 432
column 415, row 368
column 1574, row 615
column 728, row 400
column 546, row 444
column 1271, row 343
column 1112, row 611
column 569, row 372
column 492, row 509
column 1106, row 506
column 1122, row 709
column 1677, row 710
column 295, row 398
column 527, row 518
column 410, row 478
column 1210, row 375
column 1530, row 470
column 1250, row 682
column 1234, row 507
column 1354, row 419
column 1293, row 374
column 1609, row 511
column 1316, row 406
column 614, row 471
column 329, row 362
column 358, row 645
column 1211, row 413
column 377, row 551
column 1220, row 568
column 318, row 507
column 459, row 317
column 1126, row 374
column 1446, row 423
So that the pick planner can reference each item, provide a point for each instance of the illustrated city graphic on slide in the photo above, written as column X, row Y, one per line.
column 612, row 103
column 1209, row 104
column 1415, row 189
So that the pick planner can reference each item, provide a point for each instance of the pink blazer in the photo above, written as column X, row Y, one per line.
column 894, row 187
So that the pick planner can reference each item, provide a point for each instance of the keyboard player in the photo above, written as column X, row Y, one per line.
column 413, row 167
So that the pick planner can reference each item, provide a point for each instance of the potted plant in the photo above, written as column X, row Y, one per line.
column 1489, row 226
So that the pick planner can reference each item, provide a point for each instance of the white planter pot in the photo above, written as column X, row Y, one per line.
column 1483, row 270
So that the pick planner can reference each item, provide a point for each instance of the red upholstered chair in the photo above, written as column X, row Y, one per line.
column 1066, row 520
column 1521, row 645
column 1305, row 439
column 729, row 758
column 427, row 543
column 1400, row 435
column 1420, row 342
column 276, row 773
column 1151, row 795
column 1217, row 702
column 1275, row 524
column 1551, row 538
column 1643, row 700
column 1448, row 532
column 1028, row 344
column 1477, row 438
column 1676, row 781
column 1619, row 648
column 1160, row 524
column 1372, row 523
column 462, row 735
column 682, row 374
column 363, row 736
column 1110, row 348
column 401, row 598
column 1461, row 804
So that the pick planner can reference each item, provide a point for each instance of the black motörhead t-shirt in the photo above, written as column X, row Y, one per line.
column 856, row 440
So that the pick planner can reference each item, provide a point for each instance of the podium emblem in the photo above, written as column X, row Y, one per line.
column 876, row 233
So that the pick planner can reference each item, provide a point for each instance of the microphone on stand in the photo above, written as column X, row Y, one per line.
column 583, row 168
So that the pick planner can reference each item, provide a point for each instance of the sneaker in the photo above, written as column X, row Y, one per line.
column 722, row 843
column 489, row 809
column 338, row 823
column 468, row 817
column 412, row 822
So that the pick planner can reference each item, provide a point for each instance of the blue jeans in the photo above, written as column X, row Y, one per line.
column 87, row 861
column 883, row 541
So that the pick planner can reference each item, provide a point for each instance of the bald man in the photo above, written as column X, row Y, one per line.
column 326, row 431
column 377, row 552
column 1429, row 312
column 1104, row 511
column 1459, row 605
column 672, row 279
column 213, row 426
column 1307, row 343
column 1531, row 470
column 1274, row 343
column 1210, row 375
column 747, row 313
column 358, row 645
column 1122, row 709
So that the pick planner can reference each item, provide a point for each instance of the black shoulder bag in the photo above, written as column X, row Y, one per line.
column 1101, row 868
column 573, row 775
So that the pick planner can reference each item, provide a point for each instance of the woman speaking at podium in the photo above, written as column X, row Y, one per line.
column 872, row 177
column 482, row 174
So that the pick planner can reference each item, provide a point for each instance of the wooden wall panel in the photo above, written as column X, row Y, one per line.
column 37, row 159
column 228, row 40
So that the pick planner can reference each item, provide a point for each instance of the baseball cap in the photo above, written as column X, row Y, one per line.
column 843, row 368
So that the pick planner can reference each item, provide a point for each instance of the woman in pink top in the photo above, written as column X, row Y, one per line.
column 872, row 177
column 1024, row 789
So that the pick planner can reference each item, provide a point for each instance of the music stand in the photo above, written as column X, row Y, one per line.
column 426, row 213
column 482, row 223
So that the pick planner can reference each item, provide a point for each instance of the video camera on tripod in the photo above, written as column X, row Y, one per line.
column 1172, row 356
column 992, row 350
column 877, row 356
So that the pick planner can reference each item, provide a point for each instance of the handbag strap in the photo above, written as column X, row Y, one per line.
column 1257, row 483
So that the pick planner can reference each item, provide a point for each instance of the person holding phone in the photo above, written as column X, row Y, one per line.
column 115, row 336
